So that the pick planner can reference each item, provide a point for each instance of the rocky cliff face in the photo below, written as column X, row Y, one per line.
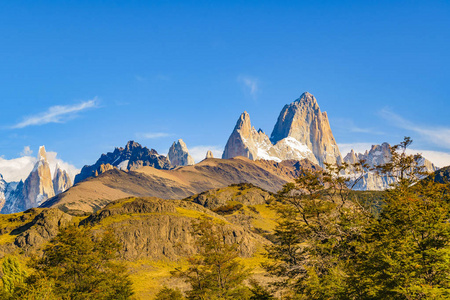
column 161, row 229
column 302, row 131
column 303, row 121
column 246, row 141
column 38, row 186
column 61, row 180
column 378, row 155
column 179, row 155
column 132, row 157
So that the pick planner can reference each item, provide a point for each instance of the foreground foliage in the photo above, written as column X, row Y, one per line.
column 76, row 265
column 330, row 245
column 215, row 272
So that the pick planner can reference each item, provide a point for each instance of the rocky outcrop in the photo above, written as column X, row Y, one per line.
column 179, row 155
column 209, row 154
column 378, row 155
column 246, row 141
column 61, row 180
column 244, row 193
column 351, row 157
column 161, row 229
column 102, row 169
column 41, row 229
column 132, row 157
column 28, row 231
column 302, row 131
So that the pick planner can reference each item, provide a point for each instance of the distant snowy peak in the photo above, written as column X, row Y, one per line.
column 302, row 131
column 37, row 188
column 378, row 155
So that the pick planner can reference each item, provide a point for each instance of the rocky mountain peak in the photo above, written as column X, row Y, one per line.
column 209, row 154
column 246, row 141
column 307, row 99
column 351, row 157
column 131, row 145
column 179, row 155
column 42, row 153
column 303, row 121
column 61, row 180
column 132, row 157
column 243, row 124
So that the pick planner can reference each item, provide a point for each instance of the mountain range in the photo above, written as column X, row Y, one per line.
column 301, row 137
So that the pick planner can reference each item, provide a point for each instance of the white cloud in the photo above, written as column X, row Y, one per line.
column 349, row 125
column 56, row 114
column 198, row 153
column 250, row 83
column 439, row 136
column 26, row 151
column 152, row 135
column 440, row 159
column 17, row 169
column 162, row 77
column 140, row 78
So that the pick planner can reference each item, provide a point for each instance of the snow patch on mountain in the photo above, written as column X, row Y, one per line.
column 123, row 165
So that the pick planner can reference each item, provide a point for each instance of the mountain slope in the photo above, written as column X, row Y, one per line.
column 132, row 157
column 94, row 193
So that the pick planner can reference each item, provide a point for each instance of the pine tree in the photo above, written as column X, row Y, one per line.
column 13, row 275
column 215, row 272
column 78, row 265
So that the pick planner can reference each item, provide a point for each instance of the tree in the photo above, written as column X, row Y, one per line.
column 331, row 245
column 79, row 265
column 407, row 251
column 215, row 272
column 169, row 294
column 13, row 275
column 320, row 224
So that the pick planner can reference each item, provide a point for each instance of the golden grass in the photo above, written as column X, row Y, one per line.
column 190, row 213
column 268, row 217
column 11, row 222
column 122, row 202
column 150, row 276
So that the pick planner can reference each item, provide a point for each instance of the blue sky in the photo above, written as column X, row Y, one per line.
column 82, row 77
